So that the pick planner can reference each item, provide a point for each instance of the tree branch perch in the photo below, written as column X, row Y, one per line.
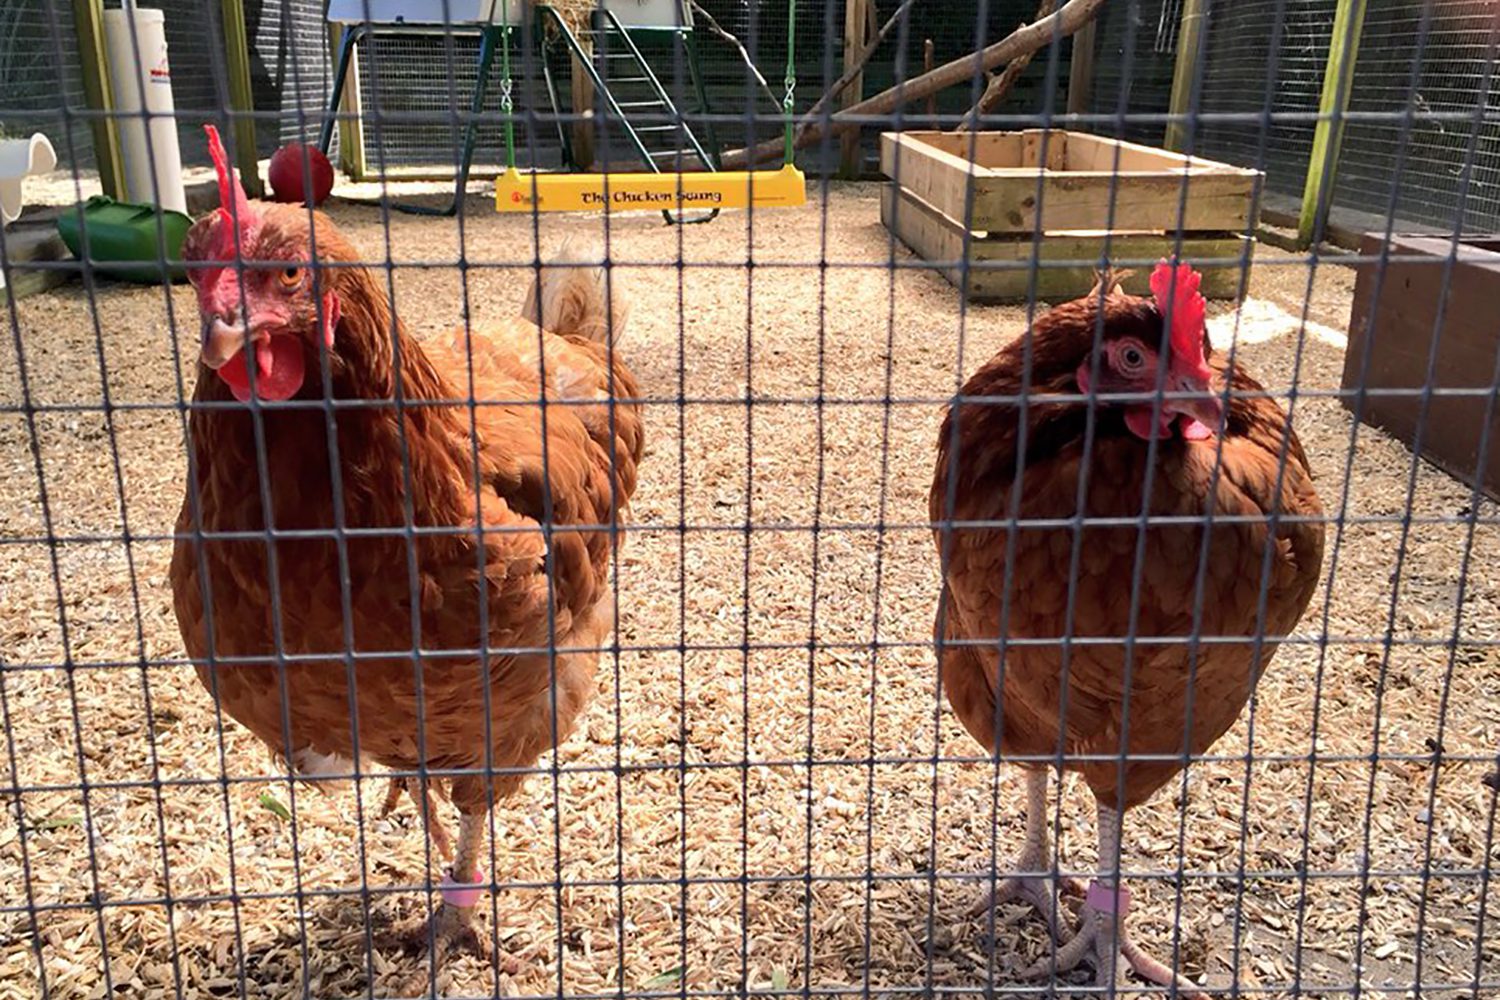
column 1001, row 85
column 1069, row 18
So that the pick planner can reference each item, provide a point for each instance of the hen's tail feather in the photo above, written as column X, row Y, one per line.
column 577, row 298
column 1107, row 281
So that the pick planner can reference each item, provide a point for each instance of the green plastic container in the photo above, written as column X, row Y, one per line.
column 122, row 233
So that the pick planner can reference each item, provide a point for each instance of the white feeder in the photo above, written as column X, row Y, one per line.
column 153, row 173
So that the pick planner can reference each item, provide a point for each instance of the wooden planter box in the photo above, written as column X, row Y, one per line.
column 1395, row 331
column 1077, row 183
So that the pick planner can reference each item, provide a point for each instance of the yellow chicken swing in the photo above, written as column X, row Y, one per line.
column 671, row 193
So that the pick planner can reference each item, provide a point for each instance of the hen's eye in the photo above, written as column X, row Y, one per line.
column 1131, row 358
column 291, row 277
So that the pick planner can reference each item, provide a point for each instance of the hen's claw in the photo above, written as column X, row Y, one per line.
column 451, row 931
column 1038, row 890
column 1096, row 941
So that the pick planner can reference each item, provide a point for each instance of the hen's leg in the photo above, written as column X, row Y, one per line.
column 421, row 795
column 1035, row 857
column 1101, row 936
column 452, row 925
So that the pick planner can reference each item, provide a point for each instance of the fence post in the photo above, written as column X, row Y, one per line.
column 88, row 23
column 1185, row 74
column 1081, row 70
column 351, row 125
column 241, row 95
column 1338, row 83
column 856, row 27
column 582, row 89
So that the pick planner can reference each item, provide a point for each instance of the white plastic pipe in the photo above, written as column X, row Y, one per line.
column 19, row 159
column 145, row 85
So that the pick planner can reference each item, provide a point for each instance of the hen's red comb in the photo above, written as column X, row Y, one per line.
column 1175, row 288
column 230, row 191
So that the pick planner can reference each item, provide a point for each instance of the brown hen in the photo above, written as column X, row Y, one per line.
column 497, row 576
column 1235, row 567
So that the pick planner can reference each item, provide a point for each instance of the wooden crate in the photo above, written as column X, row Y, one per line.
column 1392, row 331
column 1014, row 194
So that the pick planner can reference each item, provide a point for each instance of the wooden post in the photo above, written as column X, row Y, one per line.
column 1338, row 80
column 929, row 60
column 856, row 27
column 1081, row 71
column 241, row 95
column 583, row 102
column 351, row 125
column 1190, row 34
column 88, row 22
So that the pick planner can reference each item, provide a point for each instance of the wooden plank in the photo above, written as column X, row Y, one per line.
column 856, row 27
column 88, row 23
column 997, row 150
column 1000, row 270
column 925, row 231
column 1392, row 335
column 1053, row 142
column 241, row 95
column 990, row 149
column 1328, row 135
column 1140, row 201
column 1094, row 152
column 1081, row 70
column 1219, row 259
column 937, row 177
column 1005, row 199
column 1185, row 73
column 1134, row 156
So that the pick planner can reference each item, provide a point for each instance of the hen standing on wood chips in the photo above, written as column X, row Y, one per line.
column 511, row 558
column 1231, row 557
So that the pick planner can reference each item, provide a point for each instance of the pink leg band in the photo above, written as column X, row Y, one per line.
column 1108, row 899
column 463, row 895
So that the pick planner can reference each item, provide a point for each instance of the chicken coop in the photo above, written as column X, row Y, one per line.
column 635, row 499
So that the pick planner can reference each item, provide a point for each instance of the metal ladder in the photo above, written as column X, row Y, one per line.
column 632, row 99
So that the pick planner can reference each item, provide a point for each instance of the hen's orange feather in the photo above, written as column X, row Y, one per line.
column 440, row 557
column 1048, row 697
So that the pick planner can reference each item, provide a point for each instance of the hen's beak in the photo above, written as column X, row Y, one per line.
column 224, row 336
column 1207, row 408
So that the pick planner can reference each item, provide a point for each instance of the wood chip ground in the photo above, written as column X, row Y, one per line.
column 664, row 861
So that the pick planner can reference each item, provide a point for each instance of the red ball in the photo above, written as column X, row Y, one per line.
column 288, row 179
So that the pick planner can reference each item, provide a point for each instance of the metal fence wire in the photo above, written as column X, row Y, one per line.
column 568, row 604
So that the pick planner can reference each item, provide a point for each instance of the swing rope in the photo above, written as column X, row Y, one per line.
column 787, row 102
column 506, row 105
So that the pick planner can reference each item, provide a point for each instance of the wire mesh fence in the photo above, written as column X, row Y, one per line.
column 568, row 604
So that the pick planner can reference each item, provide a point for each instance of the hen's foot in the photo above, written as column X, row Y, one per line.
column 1102, row 941
column 1041, row 891
column 451, row 932
column 426, row 809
